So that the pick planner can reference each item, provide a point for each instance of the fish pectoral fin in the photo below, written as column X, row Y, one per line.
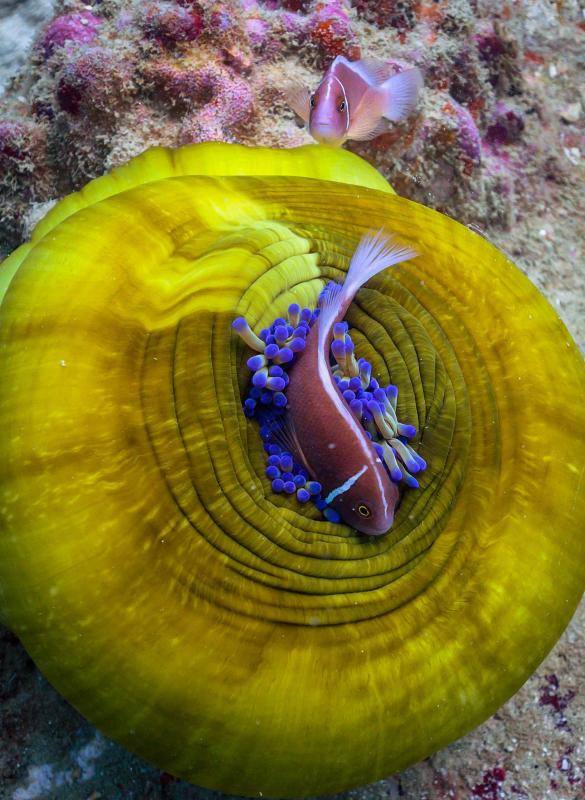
column 366, row 122
column 286, row 436
column 368, row 130
column 298, row 97
column 401, row 94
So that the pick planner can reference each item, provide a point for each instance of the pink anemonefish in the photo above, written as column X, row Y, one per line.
column 355, row 100
column 324, row 435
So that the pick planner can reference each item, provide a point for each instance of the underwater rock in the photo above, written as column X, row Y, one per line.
column 229, row 107
column 23, row 153
column 398, row 14
column 205, row 69
column 93, row 81
column 80, row 27
column 505, row 126
column 330, row 29
column 171, row 24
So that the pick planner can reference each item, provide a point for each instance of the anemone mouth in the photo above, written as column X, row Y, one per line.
column 149, row 569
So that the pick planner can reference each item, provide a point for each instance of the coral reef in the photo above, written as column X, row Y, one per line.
column 81, row 27
column 108, row 80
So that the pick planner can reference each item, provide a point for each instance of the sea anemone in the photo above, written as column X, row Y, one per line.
column 232, row 637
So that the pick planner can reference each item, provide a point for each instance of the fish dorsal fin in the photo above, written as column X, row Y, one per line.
column 375, row 253
column 366, row 120
column 373, row 70
column 330, row 306
column 298, row 98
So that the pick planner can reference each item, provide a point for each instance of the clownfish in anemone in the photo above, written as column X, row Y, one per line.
column 325, row 427
column 355, row 100
column 327, row 438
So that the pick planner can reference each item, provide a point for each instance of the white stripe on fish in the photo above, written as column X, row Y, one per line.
column 345, row 486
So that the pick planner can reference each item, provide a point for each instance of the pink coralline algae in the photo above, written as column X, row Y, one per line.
column 179, row 85
column 499, row 54
column 468, row 137
column 258, row 31
column 94, row 81
column 330, row 29
column 490, row 787
column 80, row 27
column 550, row 695
column 231, row 106
column 171, row 24
column 505, row 126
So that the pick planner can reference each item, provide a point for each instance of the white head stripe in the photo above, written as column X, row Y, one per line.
column 345, row 486
column 335, row 78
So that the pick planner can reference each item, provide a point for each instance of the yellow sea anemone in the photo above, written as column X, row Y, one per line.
column 209, row 625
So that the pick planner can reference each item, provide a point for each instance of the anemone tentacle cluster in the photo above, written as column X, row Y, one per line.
column 372, row 405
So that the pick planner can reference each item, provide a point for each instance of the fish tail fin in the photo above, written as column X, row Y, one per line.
column 401, row 94
column 375, row 253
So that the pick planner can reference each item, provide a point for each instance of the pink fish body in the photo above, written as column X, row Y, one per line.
column 328, row 439
column 355, row 100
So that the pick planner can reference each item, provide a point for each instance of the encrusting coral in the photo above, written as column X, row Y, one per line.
column 107, row 81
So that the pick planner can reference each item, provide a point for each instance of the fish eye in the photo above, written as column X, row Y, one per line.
column 312, row 101
column 364, row 511
column 341, row 106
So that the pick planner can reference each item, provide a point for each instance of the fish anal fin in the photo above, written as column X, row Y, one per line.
column 298, row 97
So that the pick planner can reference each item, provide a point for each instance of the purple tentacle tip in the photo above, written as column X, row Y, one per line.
column 297, row 345
column 338, row 348
column 260, row 379
column 285, row 355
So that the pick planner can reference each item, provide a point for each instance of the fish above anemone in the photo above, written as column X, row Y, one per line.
column 226, row 631
column 355, row 100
